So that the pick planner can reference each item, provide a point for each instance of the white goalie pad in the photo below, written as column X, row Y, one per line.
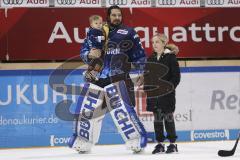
column 89, row 121
column 124, row 116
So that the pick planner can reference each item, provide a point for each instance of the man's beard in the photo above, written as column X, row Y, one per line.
column 116, row 24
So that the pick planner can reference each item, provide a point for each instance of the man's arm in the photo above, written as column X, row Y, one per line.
column 137, row 56
column 137, row 53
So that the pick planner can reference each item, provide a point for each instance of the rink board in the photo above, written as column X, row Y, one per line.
column 208, row 108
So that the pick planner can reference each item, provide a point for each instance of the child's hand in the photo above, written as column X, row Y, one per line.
column 94, row 53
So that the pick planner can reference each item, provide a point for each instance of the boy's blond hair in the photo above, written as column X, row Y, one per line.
column 162, row 37
column 165, row 40
column 94, row 18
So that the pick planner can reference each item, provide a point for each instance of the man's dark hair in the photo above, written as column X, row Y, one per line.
column 109, row 10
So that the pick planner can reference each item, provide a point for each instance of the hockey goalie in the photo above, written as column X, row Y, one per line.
column 108, row 86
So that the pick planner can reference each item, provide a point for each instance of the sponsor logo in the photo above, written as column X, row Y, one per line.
column 90, row 2
column 122, row 31
column 66, row 2
column 188, row 33
column 113, row 51
column 189, row 2
column 233, row 2
column 220, row 100
column 141, row 2
column 209, row 135
column 119, row 111
column 18, row 94
column 87, row 107
column 215, row 2
column 117, row 2
column 58, row 140
column 167, row 2
column 37, row 2
column 13, row 2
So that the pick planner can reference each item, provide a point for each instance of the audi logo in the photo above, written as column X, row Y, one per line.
column 65, row 2
column 167, row 2
column 117, row 2
column 215, row 2
column 12, row 2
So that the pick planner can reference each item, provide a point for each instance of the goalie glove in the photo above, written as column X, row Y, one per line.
column 93, row 71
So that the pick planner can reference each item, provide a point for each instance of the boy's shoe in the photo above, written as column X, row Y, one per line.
column 172, row 148
column 159, row 149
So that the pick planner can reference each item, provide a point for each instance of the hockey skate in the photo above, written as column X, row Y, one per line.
column 172, row 148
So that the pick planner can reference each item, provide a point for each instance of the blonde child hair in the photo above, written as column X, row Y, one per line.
column 165, row 40
column 162, row 37
column 94, row 18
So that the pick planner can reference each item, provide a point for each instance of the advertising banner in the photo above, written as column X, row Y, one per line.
column 178, row 3
column 222, row 3
column 24, row 3
column 129, row 3
column 207, row 107
column 58, row 33
column 28, row 106
column 77, row 3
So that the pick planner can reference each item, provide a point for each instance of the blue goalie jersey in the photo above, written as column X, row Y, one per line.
column 123, row 46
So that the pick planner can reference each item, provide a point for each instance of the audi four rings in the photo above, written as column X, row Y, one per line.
column 12, row 1
column 117, row 2
column 167, row 2
column 63, row 2
column 215, row 2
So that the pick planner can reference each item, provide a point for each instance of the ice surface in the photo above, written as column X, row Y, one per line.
column 187, row 151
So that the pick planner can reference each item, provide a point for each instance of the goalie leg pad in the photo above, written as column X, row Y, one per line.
column 89, row 120
column 124, row 116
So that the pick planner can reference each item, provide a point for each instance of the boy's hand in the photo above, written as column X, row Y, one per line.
column 94, row 53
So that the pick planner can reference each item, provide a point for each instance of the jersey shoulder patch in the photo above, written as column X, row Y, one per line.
column 122, row 31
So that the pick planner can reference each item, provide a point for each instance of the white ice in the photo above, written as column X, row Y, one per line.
column 187, row 151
